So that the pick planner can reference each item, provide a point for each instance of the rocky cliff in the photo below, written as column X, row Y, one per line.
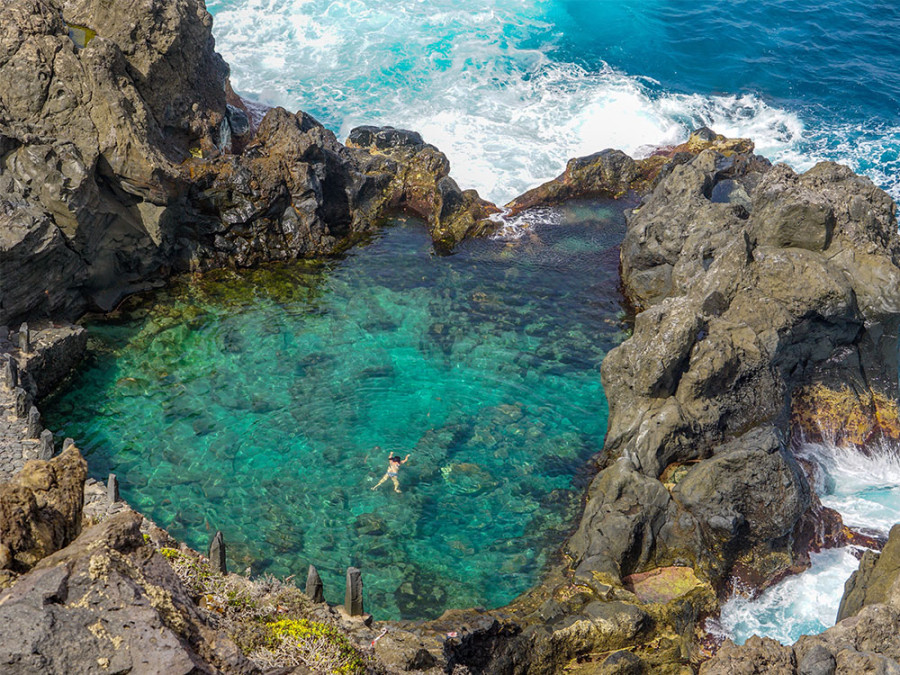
column 121, row 161
column 752, row 281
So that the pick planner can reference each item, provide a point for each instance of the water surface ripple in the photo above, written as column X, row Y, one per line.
column 253, row 403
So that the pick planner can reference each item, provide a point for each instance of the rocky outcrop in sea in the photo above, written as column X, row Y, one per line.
column 125, row 157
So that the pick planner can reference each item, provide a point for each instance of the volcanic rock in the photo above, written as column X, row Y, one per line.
column 117, row 167
column 40, row 511
column 737, row 313
column 875, row 580
column 109, row 602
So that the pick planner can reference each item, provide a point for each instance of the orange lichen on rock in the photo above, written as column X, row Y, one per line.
column 844, row 416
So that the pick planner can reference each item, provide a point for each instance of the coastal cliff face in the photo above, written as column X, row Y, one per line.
column 117, row 164
column 752, row 281
column 121, row 161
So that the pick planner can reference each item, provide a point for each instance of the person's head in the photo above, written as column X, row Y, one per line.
column 395, row 458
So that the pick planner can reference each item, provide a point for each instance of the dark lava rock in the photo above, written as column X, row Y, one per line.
column 109, row 603
column 738, row 310
column 875, row 579
column 118, row 164
column 621, row 663
column 757, row 655
column 92, row 137
column 817, row 661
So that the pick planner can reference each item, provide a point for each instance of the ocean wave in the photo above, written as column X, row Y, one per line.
column 804, row 604
column 863, row 487
column 484, row 87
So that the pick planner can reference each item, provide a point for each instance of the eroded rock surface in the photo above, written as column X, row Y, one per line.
column 40, row 511
column 748, row 291
column 121, row 161
column 109, row 603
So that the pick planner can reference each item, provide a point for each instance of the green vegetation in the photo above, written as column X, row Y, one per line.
column 268, row 618
column 294, row 642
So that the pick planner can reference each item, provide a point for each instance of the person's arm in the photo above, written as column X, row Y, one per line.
column 391, row 455
column 404, row 459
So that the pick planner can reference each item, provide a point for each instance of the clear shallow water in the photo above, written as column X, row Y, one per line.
column 253, row 402
column 865, row 490
column 511, row 89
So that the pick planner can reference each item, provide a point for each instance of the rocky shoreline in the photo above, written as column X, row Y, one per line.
column 125, row 158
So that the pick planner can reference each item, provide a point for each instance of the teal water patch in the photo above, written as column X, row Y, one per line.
column 264, row 403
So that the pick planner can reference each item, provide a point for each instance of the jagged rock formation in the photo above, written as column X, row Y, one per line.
column 40, row 511
column 109, row 603
column 753, row 281
column 90, row 140
column 875, row 579
column 116, row 162
column 611, row 174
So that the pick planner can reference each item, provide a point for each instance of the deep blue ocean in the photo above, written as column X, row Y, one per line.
column 510, row 89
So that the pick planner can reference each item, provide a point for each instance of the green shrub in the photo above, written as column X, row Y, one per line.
column 320, row 646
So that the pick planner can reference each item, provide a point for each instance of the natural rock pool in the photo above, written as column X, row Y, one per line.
column 252, row 402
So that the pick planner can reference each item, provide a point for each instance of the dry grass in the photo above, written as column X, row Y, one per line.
column 270, row 619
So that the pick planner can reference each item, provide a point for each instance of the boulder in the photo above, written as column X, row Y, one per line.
column 757, row 656
column 876, row 581
column 750, row 494
column 40, row 511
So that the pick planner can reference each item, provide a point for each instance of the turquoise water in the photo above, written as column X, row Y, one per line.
column 510, row 89
column 253, row 403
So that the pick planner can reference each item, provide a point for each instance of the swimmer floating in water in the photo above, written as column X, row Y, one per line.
column 393, row 469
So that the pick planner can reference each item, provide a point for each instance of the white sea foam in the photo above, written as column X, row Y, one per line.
column 804, row 604
column 508, row 117
column 863, row 487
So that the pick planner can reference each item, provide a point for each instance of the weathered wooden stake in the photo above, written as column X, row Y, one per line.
column 33, row 427
column 24, row 338
column 46, row 451
column 112, row 489
column 217, row 553
column 315, row 589
column 353, row 599
column 10, row 373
